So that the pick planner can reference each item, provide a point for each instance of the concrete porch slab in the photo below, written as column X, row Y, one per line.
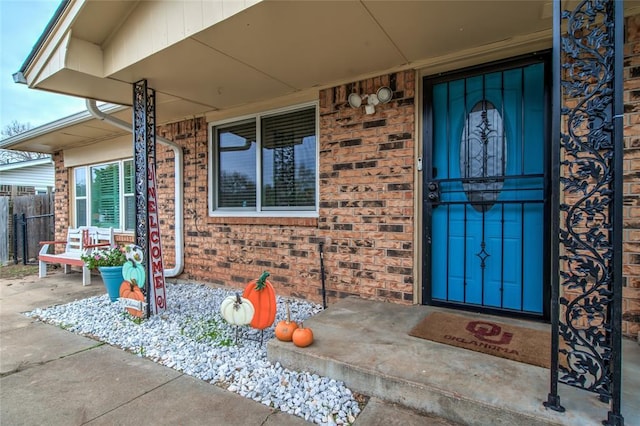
column 366, row 345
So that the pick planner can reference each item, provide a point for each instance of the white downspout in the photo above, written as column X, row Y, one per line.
column 179, row 195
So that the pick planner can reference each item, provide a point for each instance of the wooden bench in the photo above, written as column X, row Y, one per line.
column 79, row 241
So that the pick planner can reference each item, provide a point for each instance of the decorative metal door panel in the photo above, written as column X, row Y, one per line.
column 485, row 189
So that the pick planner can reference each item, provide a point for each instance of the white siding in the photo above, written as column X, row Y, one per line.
column 40, row 176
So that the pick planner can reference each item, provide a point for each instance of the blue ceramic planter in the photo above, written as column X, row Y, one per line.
column 112, row 278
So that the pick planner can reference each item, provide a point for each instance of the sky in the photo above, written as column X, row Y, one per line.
column 21, row 24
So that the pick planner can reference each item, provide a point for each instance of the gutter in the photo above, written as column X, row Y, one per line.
column 26, row 163
column 178, row 173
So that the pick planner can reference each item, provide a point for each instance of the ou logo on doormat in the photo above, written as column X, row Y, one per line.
column 484, row 330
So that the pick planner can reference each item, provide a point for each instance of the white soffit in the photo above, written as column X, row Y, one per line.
column 78, row 130
column 305, row 44
column 428, row 29
column 193, row 71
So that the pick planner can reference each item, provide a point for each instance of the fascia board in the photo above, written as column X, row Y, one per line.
column 23, row 164
column 41, row 58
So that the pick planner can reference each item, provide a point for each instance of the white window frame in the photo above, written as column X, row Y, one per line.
column 87, row 198
column 258, row 211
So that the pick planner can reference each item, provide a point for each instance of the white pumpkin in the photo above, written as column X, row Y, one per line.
column 134, row 253
column 237, row 310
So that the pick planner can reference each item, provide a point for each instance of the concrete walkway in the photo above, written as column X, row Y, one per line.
column 49, row 376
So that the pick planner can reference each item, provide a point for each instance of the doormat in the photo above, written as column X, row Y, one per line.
column 486, row 336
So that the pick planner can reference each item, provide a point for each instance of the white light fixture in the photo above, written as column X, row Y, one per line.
column 382, row 96
column 355, row 100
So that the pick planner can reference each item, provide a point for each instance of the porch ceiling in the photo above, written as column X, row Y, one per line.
column 270, row 49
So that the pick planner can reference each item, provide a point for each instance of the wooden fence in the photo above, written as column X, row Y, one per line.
column 4, row 236
column 35, row 223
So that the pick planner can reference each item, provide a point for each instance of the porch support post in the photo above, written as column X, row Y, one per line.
column 615, row 312
column 147, row 225
column 587, row 167
column 553, row 398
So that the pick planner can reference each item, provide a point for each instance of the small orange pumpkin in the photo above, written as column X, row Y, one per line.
column 262, row 296
column 302, row 337
column 131, row 291
column 285, row 329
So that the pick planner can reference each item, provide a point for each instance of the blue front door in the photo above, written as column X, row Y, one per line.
column 485, row 139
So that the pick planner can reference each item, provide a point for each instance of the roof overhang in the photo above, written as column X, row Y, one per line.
column 77, row 130
column 208, row 56
column 27, row 163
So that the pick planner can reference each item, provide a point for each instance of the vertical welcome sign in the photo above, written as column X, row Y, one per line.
column 157, row 296
column 147, row 223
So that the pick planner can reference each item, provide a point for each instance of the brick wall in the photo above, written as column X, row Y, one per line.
column 631, row 237
column 367, row 190
column 366, row 207
column 61, row 200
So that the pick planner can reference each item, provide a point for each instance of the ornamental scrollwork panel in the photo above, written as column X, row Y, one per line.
column 586, row 181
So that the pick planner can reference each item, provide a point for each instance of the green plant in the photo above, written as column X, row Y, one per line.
column 206, row 330
column 136, row 320
column 226, row 342
column 111, row 256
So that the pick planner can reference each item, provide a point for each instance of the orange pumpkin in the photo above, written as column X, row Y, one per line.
column 302, row 337
column 131, row 291
column 285, row 329
column 262, row 296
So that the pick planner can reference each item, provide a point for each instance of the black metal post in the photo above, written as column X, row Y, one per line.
column 24, row 239
column 615, row 414
column 15, row 238
column 587, row 314
column 141, row 165
column 553, row 399
column 324, row 290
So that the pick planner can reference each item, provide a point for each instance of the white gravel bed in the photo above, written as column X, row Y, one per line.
column 192, row 337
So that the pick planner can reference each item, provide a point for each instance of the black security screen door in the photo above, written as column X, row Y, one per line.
column 485, row 186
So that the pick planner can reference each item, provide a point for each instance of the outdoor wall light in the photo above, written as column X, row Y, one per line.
column 382, row 96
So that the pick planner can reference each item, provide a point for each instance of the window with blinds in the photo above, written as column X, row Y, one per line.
column 237, row 165
column 267, row 163
column 129, row 195
column 105, row 196
column 80, row 178
column 99, row 192
column 289, row 160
